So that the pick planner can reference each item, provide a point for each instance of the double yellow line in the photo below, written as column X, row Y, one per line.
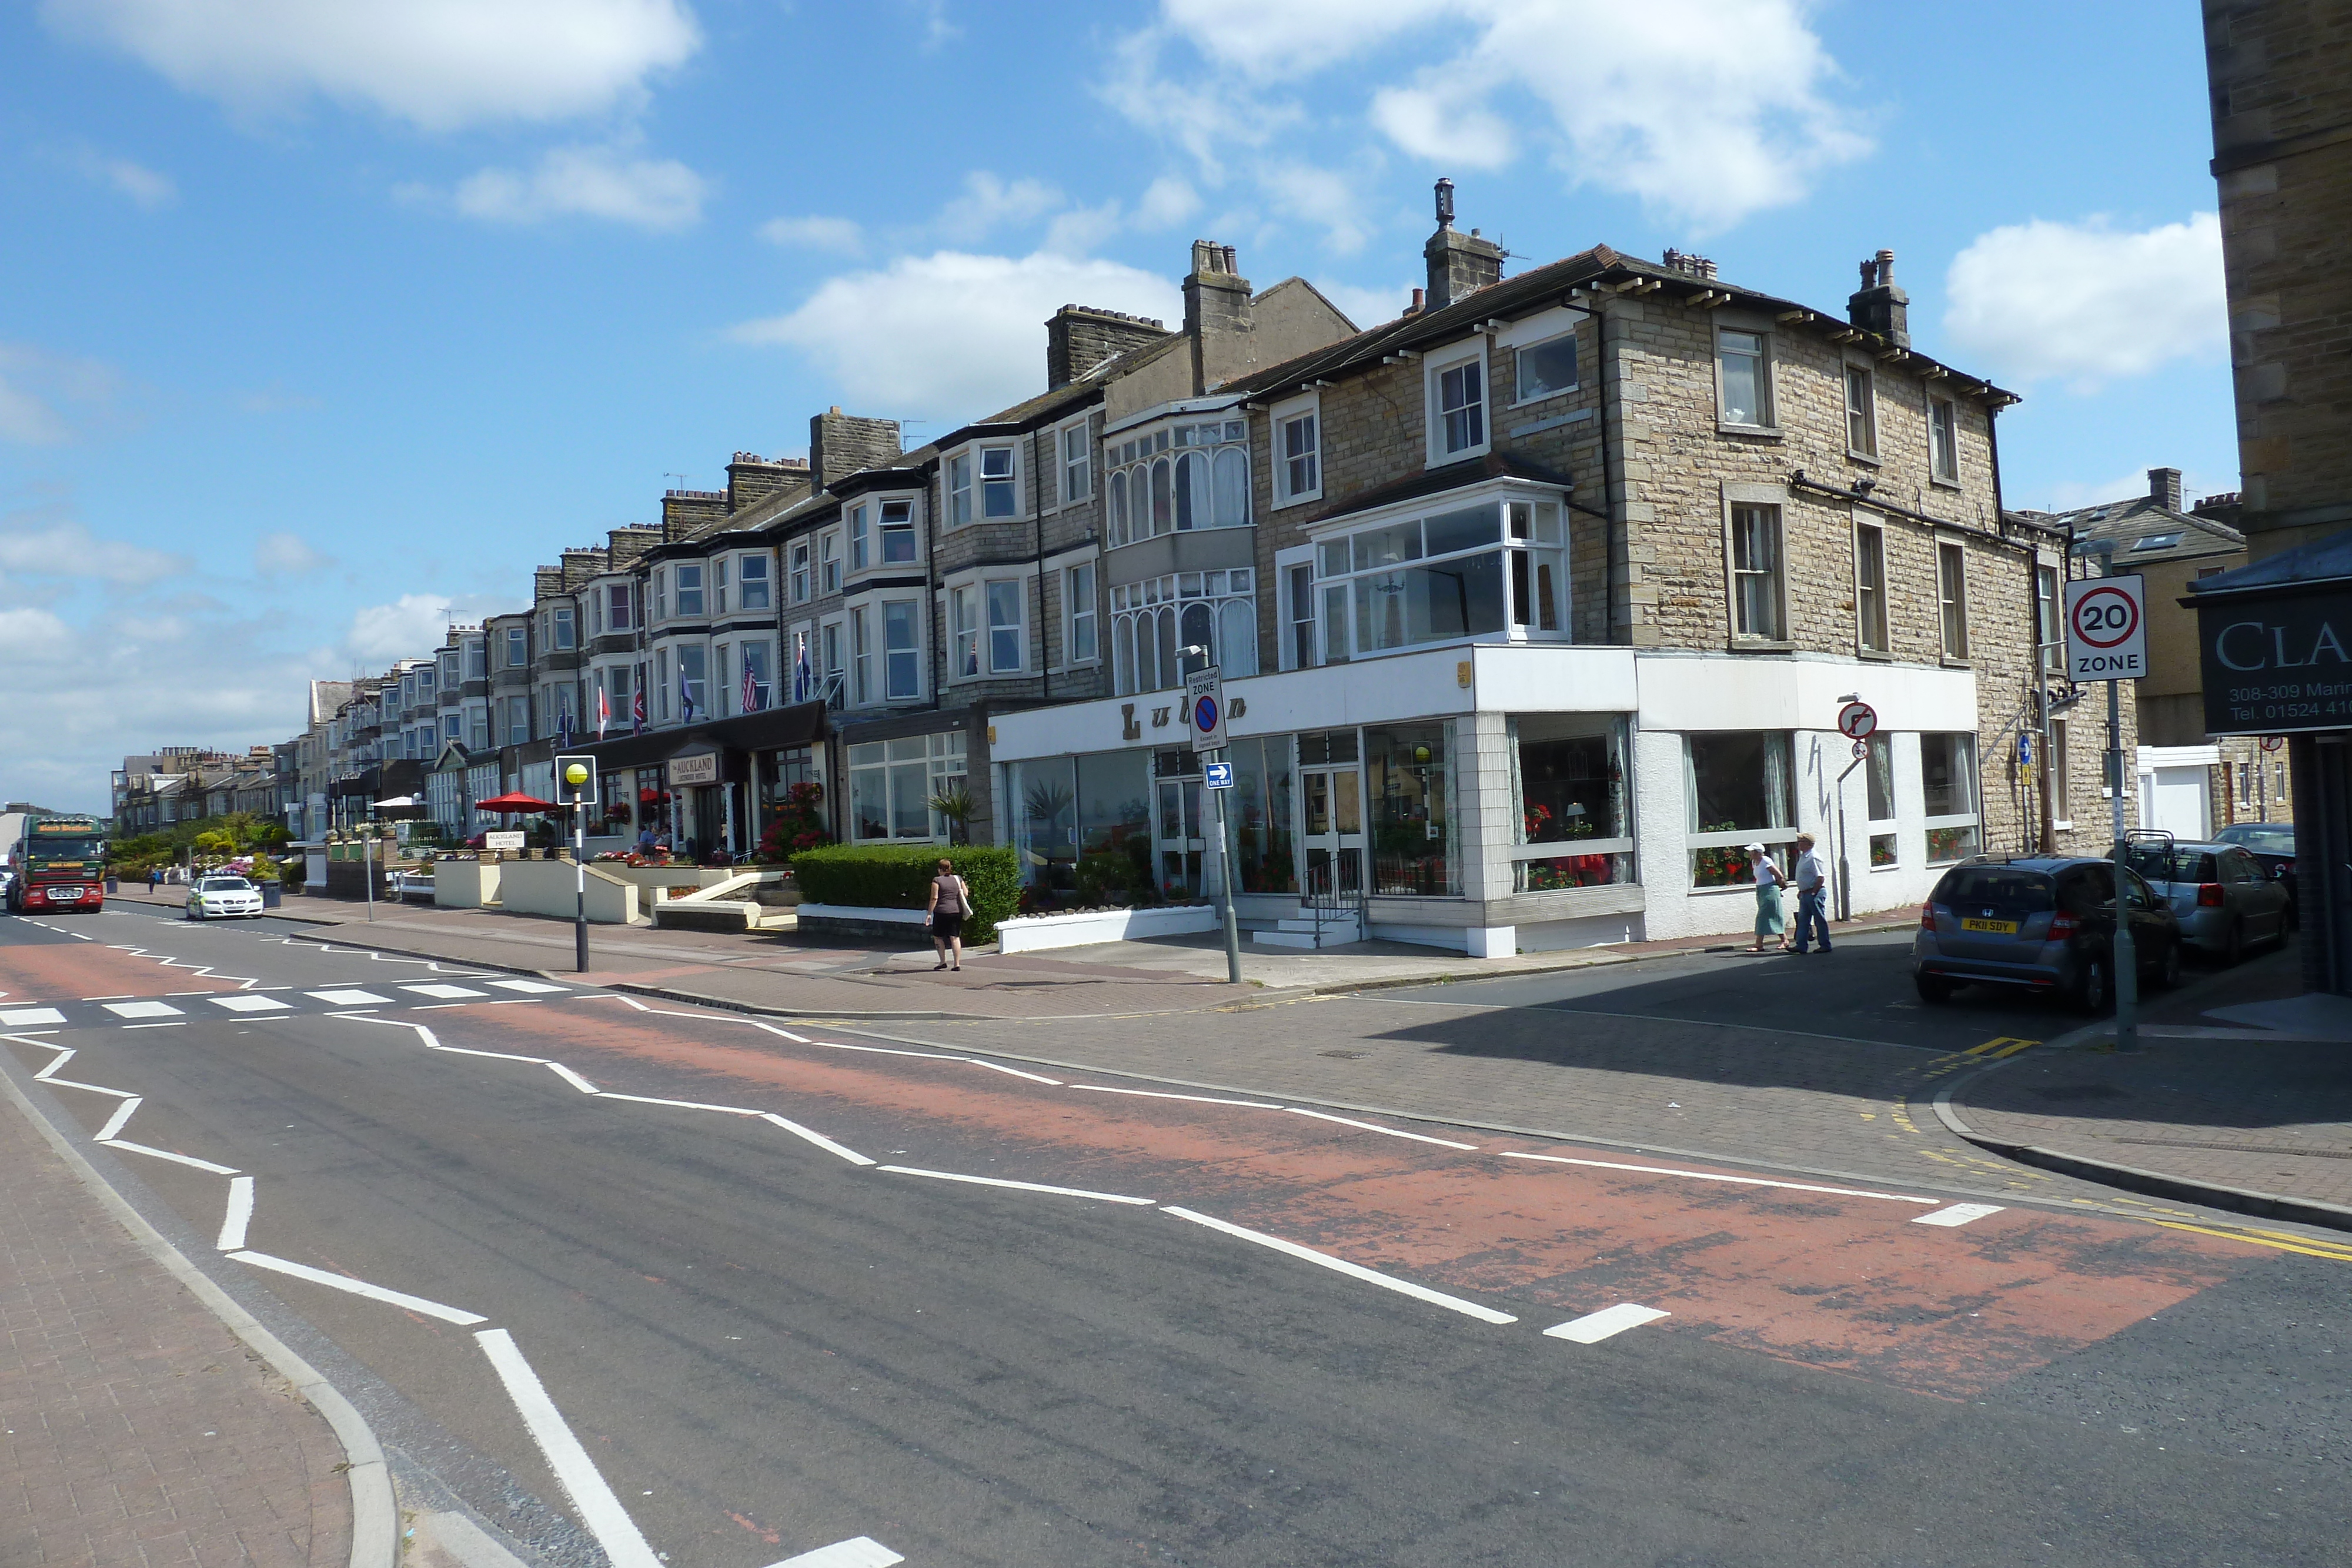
column 2283, row 1240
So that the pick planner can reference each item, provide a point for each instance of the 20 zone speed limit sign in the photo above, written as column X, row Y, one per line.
column 2106, row 629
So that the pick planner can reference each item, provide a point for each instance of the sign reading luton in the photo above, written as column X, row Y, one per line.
column 2106, row 629
column 2276, row 664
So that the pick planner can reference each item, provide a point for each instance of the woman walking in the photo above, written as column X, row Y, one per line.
column 1768, row 878
column 951, row 902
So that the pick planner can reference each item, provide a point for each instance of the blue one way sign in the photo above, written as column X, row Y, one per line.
column 1217, row 774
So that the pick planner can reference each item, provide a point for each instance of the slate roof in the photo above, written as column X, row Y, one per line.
column 2321, row 560
column 2138, row 528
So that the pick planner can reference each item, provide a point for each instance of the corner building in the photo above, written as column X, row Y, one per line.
column 1536, row 603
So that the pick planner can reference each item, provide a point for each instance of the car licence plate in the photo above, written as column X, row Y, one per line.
column 2003, row 928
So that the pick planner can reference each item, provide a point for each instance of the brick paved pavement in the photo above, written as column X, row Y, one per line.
column 134, row 1428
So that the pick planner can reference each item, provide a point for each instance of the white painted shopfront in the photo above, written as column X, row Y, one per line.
column 1489, row 799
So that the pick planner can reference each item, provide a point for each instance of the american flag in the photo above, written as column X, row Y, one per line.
column 751, row 689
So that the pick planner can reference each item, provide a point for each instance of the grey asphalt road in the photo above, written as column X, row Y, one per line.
column 764, row 1348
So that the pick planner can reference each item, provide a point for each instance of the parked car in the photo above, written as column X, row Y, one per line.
column 2044, row 923
column 215, row 897
column 2220, row 894
column 2273, row 845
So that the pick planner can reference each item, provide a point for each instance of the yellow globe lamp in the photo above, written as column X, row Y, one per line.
column 576, row 775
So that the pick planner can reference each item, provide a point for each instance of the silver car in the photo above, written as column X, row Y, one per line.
column 2220, row 894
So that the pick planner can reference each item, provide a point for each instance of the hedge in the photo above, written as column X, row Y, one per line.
column 898, row 876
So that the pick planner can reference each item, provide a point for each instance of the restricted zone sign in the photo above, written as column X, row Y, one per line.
column 2106, row 629
column 1204, row 709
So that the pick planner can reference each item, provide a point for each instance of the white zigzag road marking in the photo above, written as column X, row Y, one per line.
column 202, row 971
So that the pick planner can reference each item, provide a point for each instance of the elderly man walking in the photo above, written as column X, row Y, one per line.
column 1813, row 885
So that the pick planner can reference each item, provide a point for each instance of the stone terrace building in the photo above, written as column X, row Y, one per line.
column 1560, row 584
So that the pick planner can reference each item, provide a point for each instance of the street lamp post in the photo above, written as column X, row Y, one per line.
column 576, row 775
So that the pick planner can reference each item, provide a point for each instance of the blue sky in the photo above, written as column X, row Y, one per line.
column 320, row 323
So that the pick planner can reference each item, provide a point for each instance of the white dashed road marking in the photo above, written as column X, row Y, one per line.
column 1594, row 1327
column 452, row 992
column 25, row 1017
column 600, row 1511
column 862, row 1552
column 1018, row 1185
column 144, row 1011
column 1957, row 1214
column 249, row 1004
column 352, row 999
column 536, row 987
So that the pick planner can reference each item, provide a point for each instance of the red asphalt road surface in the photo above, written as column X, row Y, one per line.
column 1846, row 1285
column 32, row 974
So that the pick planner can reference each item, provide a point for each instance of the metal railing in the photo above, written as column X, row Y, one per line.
column 1335, row 897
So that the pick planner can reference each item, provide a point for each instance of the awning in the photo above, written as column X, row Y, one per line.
column 516, row 800
column 767, row 730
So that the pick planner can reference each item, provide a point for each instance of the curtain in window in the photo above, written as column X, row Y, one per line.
column 1237, row 639
column 1231, row 488
column 1199, row 629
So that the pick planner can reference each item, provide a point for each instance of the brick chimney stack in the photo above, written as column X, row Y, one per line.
column 1459, row 265
column 842, row 443
column 1080, row 336
column 752, row 478
column 1217, row 317
column 2164, row 487
column 1878, row 306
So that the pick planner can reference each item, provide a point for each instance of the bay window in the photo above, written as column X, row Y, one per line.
column 829, row 561
column 689, row 589
column 693, row 682
column 1077, row 463
column 999, row 493
column 1078, row 601
column 1152, row 619
column 1487, row 568
column 1199, row 479
column 963, row 631
column 959, row 489
column 898, row 532
column 1006, row 638
column 902, row 672
column 860, row 544
column 798, row 581
column 752, row 581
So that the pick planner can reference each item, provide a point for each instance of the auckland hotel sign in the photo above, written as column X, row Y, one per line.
column 2277, row 660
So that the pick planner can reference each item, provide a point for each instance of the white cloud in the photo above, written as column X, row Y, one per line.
column 588, row 182
column 31, row 545
column 31, row 633
column 408, row 628
column 34, row 387
column 950, row 335
column 2085, row 303
column 1321, row 196
column 286, row 554
column 1707, row 112
column 1370, row 307
column 843, row 235
column 439, row 64
column 1166, row 201
column 142, row 185
column 988, row 203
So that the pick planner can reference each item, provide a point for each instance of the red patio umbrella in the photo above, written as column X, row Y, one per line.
column 514, row 800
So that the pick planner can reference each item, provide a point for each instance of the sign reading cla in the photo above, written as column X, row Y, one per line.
column 2106, row 629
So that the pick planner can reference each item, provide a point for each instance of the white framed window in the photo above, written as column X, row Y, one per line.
column 693, row 681
column 828, row 555
column 448, row 669
column 1952, row 597
column 2045, row 620
column 893, row 782
column 963, row 630
column 1487, row 568
column 1457, row 397
column 1007, row 629
column 999, row 495
column 565, row 632
column 897, row 533
column 861, row 542
column 620, row 602
column 1739, row 788
column 832, row 640
column 661, row 685
column 800, row 573
column 1743, row 377
column 718, row 586
column 1298, row 453
column 689, row 589
column 1178, row 477
column 1758, row 585
column 1544, row 370
column 723, row 695
column 1077, row 463
column 751, row 580
column 1115, row 512
column 1860, row 412
column 861, row 657
column 1152, row 619
column 518, row 647
column 477, row 664
column 959, row 489
column 759, row 675
column 1079, row 643
column 2062, row 799
column 1943, row 441
column 1885, row 838
column 661, row 593
column 1870, row 587
column 518, row 721
column 1294, row 574
column 902, row 651
column 1948, row 787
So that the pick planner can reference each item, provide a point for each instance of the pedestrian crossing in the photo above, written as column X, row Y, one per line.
column 186, row 1007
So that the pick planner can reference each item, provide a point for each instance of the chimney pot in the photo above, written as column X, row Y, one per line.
column 1444, row 203
column 1419, row 295
column 2164, row 487
column 1879, row 306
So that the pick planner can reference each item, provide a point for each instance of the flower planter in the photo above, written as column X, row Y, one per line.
column 1031, row 932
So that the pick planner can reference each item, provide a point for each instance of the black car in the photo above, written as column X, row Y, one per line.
column 2045, row 923
column 2271, row 843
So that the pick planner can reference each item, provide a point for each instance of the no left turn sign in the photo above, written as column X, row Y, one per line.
column 1857, row 720
column 2106, row 629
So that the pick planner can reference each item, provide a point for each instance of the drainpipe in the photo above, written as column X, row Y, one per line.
column 2045, row 835
column 1613, row 527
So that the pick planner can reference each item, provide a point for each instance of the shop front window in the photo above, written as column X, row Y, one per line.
column 1260, row 802
column 892, row 783
column 1409, row 785
column 1115, row 828
column 1737, row 788
column 1947, row 785
column 1045, row 817
column 1575, row 828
